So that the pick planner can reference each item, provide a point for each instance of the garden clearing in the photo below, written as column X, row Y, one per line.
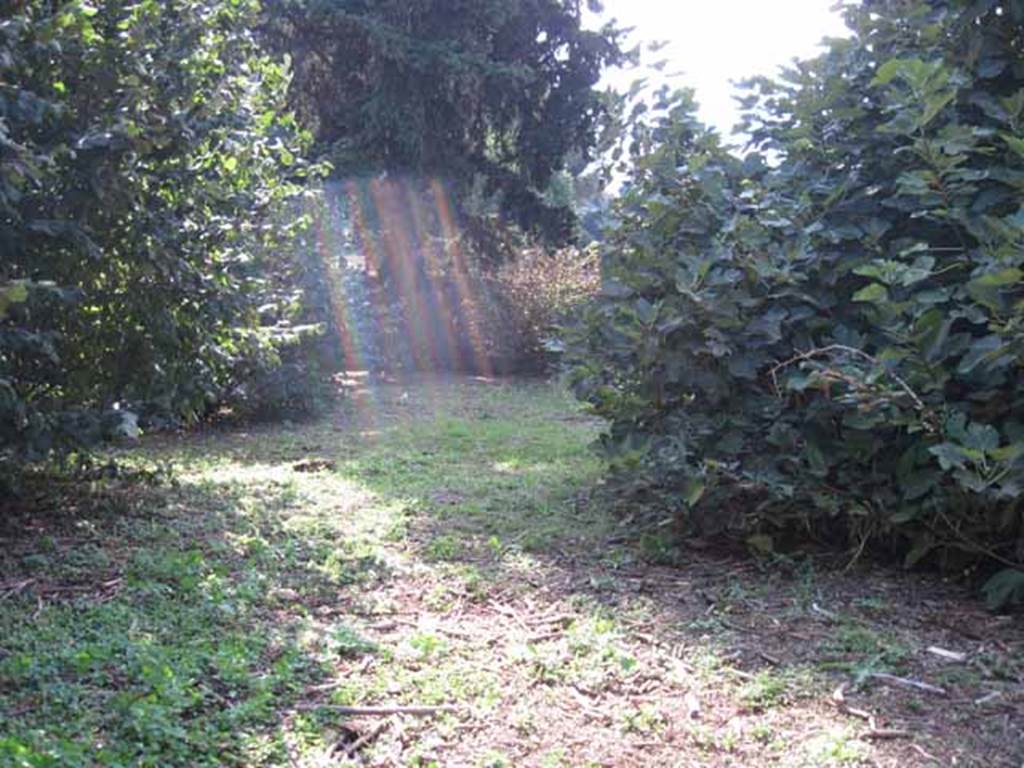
column 429, row 576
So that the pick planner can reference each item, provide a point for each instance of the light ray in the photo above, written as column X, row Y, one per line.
column 441, row 312
column 452, row 238
column 399, row 260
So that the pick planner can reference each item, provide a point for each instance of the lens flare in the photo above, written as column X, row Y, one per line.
column 402, row 239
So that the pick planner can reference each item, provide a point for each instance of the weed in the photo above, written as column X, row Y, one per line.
column 345, row 642
column 658, row 548
column 495, row 760
column 445, row 547
column 836, row 747
column 644, row 720
column 871, row 650
column 426, row 645
column 764, row 691
column 554, row 759
column 763, row 733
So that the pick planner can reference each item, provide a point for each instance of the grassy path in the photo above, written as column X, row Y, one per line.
column 438, row 544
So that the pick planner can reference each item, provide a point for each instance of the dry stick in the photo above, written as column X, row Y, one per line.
column 560, row 618
column 381, row 711
column 544, row 637
column 14, row 587
column 924, row 753
column 352, row 749
column 977, row 547
column 908, row 683
column 888, row 733
column 733, row 625
column 822, row 351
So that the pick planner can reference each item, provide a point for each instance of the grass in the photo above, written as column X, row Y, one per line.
column 435, row 544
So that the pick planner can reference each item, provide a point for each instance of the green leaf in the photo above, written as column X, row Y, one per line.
column 761, row 543
column 613, row 288
column 982, row 437
column 1004, row 589
column 1016, row 143
column 874, row 293
column 888, row 72
column 981, row 350
column 950, row 455
column 920, row 549
column 693, row 491
column 646, row 312
column 1001, row 279
column 934, row 105
column 904, row 516
column 12, row 293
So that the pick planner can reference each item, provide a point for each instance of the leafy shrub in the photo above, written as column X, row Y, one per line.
column 285, row 378
column 831, row 342
column 537, row 293
column 144, row 147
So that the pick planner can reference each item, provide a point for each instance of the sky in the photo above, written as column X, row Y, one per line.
column 713, row 42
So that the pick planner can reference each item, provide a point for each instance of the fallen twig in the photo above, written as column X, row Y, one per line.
column 560, row 618
column 987, row 698
column 729, row 624
column 924, row 753
column 887, row 733
column 586, row 706
column 352, row 749
column 822, row 612
column 381, row 711
column 908, row 683
column 544, row 637
column 506, row 611
column 946, row 654
column 739, row 673
column 839, row 699
column 10, row 588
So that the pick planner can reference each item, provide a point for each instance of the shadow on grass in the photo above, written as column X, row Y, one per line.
column 162, row 625
column 437, row 543
column 844, row 662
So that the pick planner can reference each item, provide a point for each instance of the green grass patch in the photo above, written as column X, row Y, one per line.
column 175, row 624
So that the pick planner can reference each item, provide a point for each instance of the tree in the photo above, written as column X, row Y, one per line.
column 497, row 90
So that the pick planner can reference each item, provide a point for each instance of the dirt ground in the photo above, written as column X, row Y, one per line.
column 441, row 554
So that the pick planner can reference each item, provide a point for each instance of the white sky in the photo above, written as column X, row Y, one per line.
column 716, row 41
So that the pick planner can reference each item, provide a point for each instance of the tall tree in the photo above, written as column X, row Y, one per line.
column 495, row 90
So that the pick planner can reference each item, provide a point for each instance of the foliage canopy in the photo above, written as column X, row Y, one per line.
column 497, row 92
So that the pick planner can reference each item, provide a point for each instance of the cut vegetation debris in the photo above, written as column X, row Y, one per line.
column 441, row 591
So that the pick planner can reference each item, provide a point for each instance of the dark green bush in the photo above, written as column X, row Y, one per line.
column 143, row 148
column 829, row 340
column 287, row 379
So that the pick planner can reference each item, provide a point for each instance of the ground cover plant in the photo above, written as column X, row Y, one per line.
column 822, row 338
column 440, row 544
